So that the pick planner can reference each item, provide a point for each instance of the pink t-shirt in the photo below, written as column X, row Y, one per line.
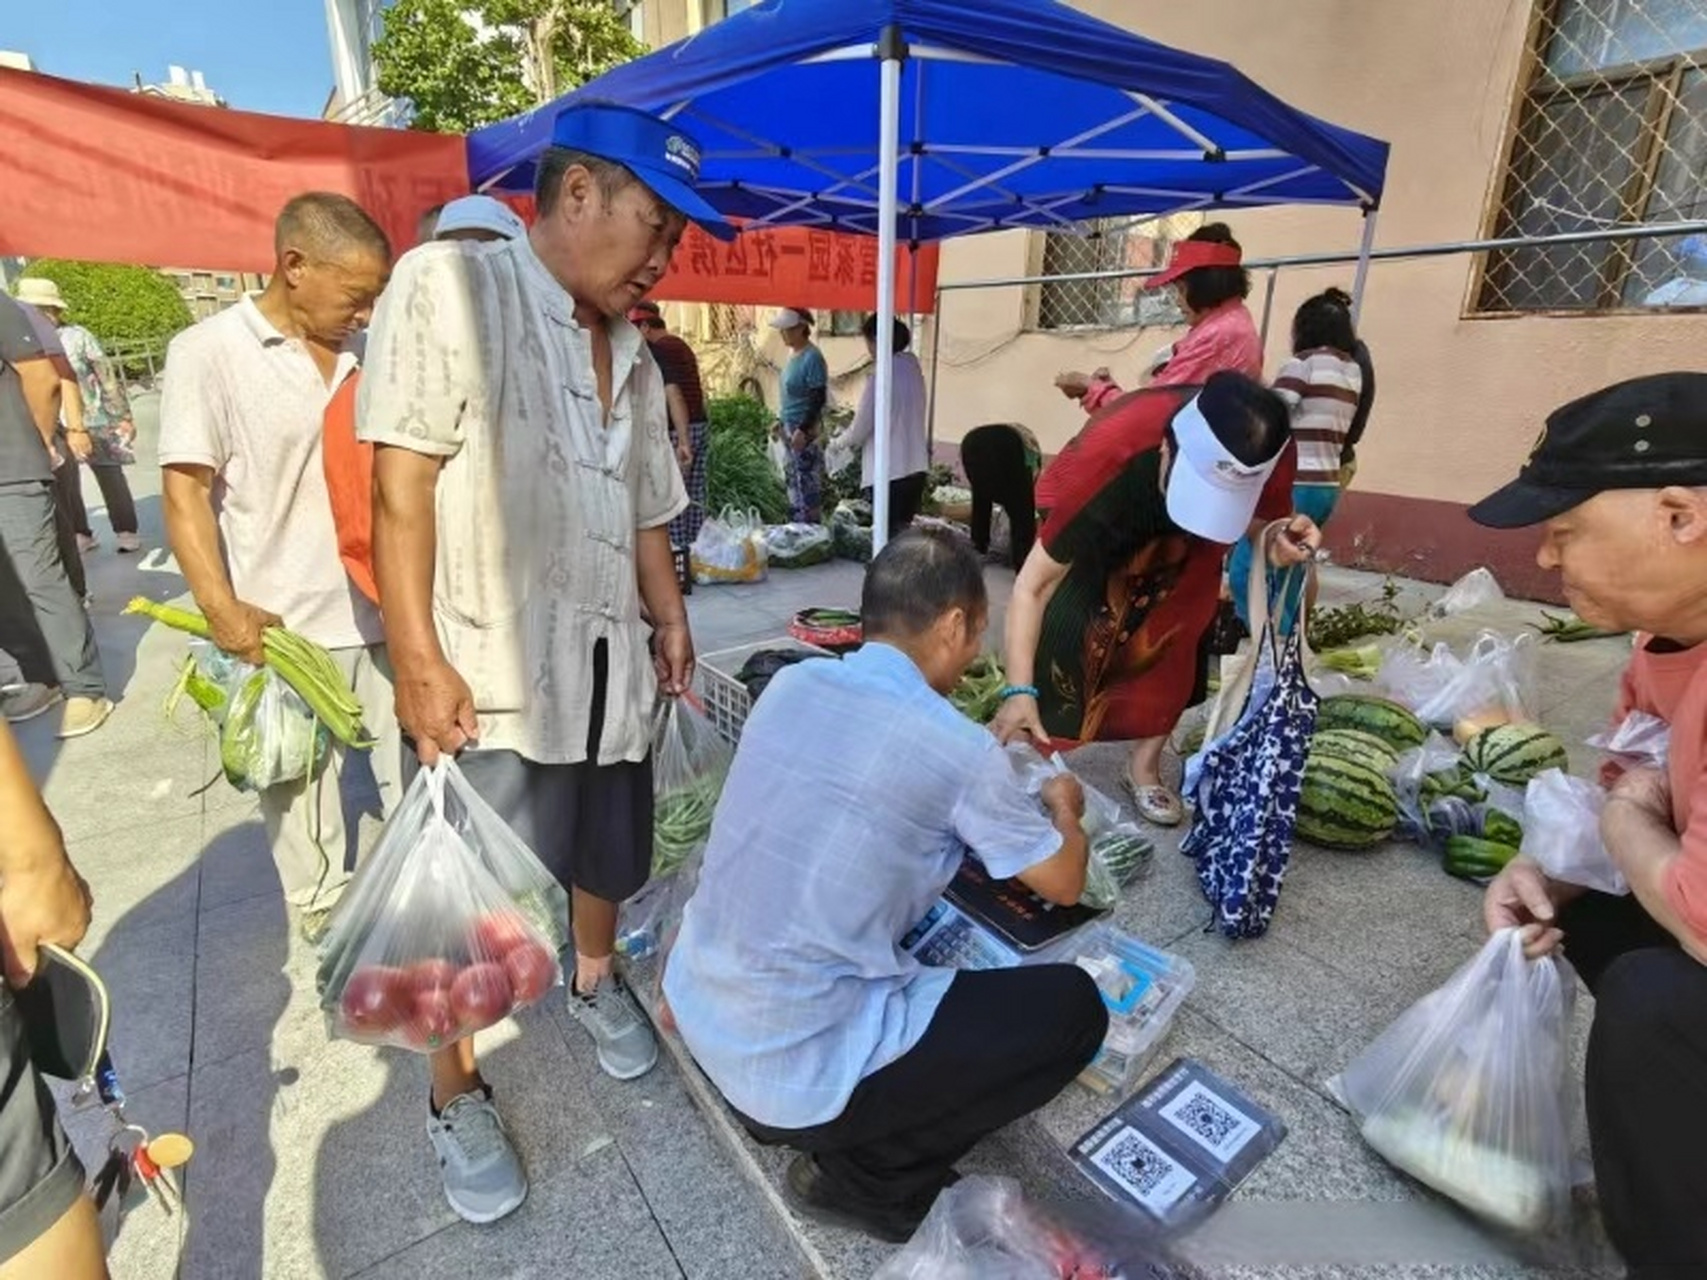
column 1225, row 339
column 1673, row 686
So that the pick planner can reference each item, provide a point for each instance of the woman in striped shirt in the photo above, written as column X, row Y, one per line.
column 1322, row 384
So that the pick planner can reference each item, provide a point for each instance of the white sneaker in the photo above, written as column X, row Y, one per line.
column 126, row 543
column 626, row 1046
column 483, row 1176
column 28, row 701
column 87, row 542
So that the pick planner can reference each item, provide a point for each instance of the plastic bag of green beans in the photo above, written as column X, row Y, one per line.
column 689, row 763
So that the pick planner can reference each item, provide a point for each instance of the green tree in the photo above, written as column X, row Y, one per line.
column 118, row 304
column 465, row 63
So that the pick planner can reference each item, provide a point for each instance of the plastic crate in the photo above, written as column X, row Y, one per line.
column 725, row 697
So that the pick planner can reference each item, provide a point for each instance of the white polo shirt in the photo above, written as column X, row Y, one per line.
column 475, row 356
column 245, row 400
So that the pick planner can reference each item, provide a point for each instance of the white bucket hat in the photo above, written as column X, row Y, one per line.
column 40, row 293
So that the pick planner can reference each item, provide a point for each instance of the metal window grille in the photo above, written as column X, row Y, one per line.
column 1108, row 245
column 1612, row 130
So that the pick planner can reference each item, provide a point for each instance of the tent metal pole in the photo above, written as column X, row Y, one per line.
column 1363, row 252
column 936, row 359
column 1268, row 302
column 888, row 180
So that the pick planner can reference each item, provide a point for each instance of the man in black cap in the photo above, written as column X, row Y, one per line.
column 1618, row 483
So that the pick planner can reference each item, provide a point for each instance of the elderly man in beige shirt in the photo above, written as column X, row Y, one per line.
column 524, row 481
column 247, row 510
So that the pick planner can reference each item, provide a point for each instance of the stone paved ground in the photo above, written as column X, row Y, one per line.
column 312, row 1161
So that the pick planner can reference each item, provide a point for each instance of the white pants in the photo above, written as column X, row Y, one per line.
column 305, row 819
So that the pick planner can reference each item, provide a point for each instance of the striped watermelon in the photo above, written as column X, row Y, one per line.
column 1346, row 804
column 1515, row 753
column 1355, row 744
column 1390, row 722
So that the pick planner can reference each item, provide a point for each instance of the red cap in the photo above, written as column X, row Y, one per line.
column 1189, row 255
column 643, row 312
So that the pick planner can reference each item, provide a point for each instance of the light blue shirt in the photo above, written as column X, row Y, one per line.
column 804, row 373
column 854, row 791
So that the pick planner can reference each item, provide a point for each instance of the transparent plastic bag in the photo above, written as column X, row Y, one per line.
column 268, row 737
column 730, row 548
column 690, row 761
column 1640, row 741
column 1101, row 823
column 983, row 1228
column 1471, row 1090
column 796, row 546
column 1475, row 589
column 1494, row 682
column 1435, row 758
column 1561, row 832
column 449, row 926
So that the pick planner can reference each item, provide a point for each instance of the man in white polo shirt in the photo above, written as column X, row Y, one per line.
column 247, row 512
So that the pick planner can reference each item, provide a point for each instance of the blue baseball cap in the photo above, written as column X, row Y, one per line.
column 662, row 156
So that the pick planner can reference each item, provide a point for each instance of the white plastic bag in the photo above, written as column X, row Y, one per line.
column 1101, row 821
column 1561, row 832
column 982, row 1228
column 730, row 548
column 449, row 926
column 1470, row 1091
column 1640, row 741
column 1475, row 589
column 1495, row 679
column 1435, row 756
column 777, row 452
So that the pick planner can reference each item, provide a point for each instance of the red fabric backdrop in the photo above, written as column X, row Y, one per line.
column 110, row 176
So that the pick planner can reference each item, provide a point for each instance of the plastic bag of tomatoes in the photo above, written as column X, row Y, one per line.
column 451, row 924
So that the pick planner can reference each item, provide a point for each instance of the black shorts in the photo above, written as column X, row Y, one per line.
column 40, row 1176
column 590, row 823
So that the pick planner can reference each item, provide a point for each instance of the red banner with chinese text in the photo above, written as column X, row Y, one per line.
column 795, row 267
column 105, row 175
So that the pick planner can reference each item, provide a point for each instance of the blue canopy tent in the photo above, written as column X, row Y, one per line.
column 925, row 119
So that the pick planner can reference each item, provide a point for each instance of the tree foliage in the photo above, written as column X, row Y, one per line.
column 466, row 63
column 118, row 304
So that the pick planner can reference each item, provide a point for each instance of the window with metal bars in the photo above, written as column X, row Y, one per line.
column 1107, row 245
column 1612, row 131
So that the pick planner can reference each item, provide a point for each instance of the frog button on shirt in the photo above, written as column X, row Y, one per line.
column 788, row 981
column 475, row 356
column 242, row 398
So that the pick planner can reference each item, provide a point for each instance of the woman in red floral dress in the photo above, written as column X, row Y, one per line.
column 1108, row 613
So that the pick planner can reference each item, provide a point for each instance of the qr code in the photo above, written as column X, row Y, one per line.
column 1210, row 1121
column 1143, row 1170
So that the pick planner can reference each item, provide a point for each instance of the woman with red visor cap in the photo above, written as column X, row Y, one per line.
column 1208, row 278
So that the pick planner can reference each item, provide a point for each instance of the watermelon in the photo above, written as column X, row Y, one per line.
column 1346, row 804
column 1515, row 753
column 1355, row 744
column 1387, row 720
column 1124, row 853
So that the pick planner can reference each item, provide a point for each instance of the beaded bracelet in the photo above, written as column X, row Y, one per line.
column 1016, row 690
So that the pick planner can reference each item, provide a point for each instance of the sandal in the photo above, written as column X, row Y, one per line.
column 1156, row 805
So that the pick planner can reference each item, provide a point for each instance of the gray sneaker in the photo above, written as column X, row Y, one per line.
column 483, row 1177
column 27, row 701
column 627, row 1048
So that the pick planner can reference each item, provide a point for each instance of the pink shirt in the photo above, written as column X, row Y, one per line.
column 1225, row 339
column 1673, row 686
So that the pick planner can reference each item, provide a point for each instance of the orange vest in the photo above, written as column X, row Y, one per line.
column 349, row 482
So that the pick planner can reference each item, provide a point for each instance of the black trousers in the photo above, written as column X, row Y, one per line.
column 906, row 496
column 115, row 490
column 1003, row 1043
column 1646, row 1084
column 993, row 458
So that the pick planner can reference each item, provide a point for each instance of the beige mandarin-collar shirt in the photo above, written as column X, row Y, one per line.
column 475, row 356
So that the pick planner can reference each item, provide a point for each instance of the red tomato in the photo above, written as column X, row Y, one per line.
column 376, row 998
column 498, row 933
column 431, row 975
column 434, row 1024
column 481, row 995
column 532, row 972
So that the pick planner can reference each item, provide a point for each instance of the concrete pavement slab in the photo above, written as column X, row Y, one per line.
column 150, row 975
column 145, row 878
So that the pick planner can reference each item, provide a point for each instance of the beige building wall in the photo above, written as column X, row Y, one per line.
column 1461, row 398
